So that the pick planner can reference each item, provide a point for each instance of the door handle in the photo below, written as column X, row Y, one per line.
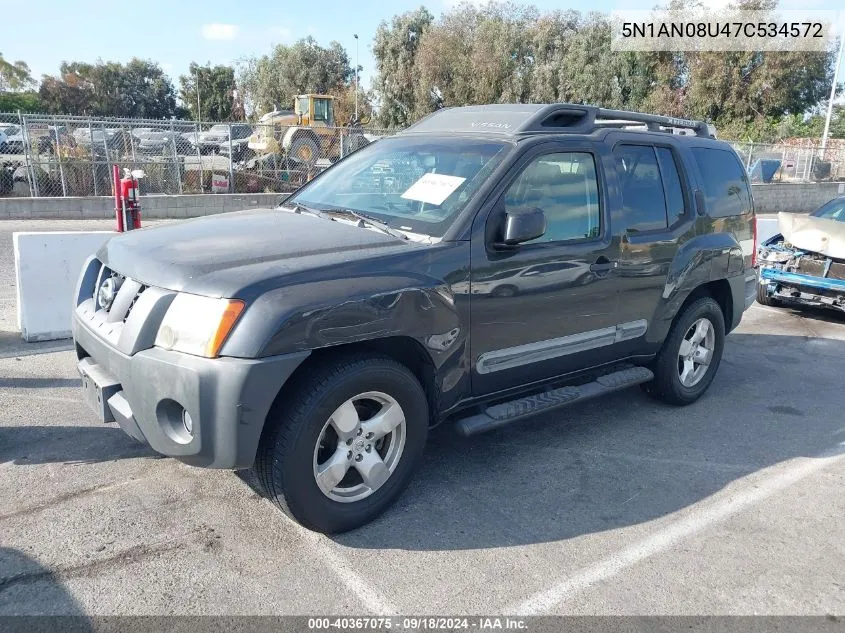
column 602, row 266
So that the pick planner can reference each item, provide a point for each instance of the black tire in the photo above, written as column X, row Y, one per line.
column 667, row 385
column 764, row 299
column 306, row 150
column 284, row 463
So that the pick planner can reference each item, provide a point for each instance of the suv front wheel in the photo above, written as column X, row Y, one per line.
column 343, row 446
column 690, row 356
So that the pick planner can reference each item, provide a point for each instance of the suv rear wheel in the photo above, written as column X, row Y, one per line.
column 690, row 355
column 345, row 444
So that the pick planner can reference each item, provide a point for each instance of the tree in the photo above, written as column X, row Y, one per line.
column 216, row 90
column 745, row 93
column 395, row 49
column 136, row 89
column 272, row 81
column 14, row 75
column 20, row 101
column 344, row 105
column 509, row 53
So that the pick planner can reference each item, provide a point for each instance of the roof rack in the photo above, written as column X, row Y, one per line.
column 653, row 122
column 521, row 119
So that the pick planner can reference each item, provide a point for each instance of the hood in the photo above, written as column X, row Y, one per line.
column 237, row 254
column 818, row 235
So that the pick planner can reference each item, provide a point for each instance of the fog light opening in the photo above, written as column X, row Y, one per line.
column 187, row 422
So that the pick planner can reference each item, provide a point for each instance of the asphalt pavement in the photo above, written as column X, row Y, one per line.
column 733, row 505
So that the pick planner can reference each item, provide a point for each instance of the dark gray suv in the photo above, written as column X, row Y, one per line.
column 485, row 265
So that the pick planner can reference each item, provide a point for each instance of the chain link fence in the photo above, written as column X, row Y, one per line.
column 794, row 160
column 45, row 155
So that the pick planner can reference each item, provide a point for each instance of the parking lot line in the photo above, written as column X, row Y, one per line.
column 375, row 602
column 725, row 506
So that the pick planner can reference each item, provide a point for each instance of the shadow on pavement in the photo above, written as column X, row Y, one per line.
column 39, row 383
column 813, row 313
column 24, row 445
column 12, row 345
column 26, row 587
column 623, row 460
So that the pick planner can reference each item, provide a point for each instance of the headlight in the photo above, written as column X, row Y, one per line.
column 198, row 325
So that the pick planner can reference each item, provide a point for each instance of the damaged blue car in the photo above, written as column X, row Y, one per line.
column 804, row 264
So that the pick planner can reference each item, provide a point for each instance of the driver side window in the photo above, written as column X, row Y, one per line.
column 565, row 186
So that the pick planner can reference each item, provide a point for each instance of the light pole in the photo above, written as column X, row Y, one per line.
column 199, row 109
column 833, row 93
column 356, row 77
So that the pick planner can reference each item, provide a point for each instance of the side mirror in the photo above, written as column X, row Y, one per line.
column 521, row 225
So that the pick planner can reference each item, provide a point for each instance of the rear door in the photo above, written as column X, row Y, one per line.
column 654, row 216
column 547, row 307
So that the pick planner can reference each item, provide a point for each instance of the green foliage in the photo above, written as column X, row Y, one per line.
column 395, row 48
column 20, row 101
column 512, row 53
column 138, row 88
column 305, row 67
column 14, row 75
column 216, row 86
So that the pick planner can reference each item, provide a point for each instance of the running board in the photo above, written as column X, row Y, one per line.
column 502, row 414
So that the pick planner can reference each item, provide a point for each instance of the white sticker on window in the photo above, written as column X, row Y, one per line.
column 433, row 188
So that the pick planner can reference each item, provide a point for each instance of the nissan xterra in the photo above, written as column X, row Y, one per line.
column 485, row 265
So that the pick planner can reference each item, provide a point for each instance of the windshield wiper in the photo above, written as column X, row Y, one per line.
column 376, row 224
column 296, row 207
column 299, row 208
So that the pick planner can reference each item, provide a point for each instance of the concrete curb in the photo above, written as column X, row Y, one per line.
column 152, row 207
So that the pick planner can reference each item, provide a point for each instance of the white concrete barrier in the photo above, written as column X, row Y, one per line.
column 47, row 266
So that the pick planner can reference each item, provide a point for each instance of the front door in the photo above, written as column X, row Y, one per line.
column 549, row 306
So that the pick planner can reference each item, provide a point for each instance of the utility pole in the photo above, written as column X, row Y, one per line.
column 357, row 87
column 199, row 109
column 832, row 93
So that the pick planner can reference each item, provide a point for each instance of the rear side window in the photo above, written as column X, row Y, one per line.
column 725, row 183
column 643, row 197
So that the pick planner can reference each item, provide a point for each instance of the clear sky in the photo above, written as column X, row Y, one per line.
column 44, row 33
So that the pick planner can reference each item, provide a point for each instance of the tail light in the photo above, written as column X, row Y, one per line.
column 754, row 249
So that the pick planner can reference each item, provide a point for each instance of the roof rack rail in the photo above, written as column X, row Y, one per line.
column 654, row 122
column 556, row 118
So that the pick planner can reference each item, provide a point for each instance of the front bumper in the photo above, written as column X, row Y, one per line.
column 145, row 388
column 228, row 398
column 803, row 289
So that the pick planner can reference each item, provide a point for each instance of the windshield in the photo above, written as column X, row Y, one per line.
column 219, row 129
column 411, row 184
column 833, row 210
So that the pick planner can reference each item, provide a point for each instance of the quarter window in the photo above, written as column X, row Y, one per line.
column 725, row 183
column 643, row 198
column 565, row 187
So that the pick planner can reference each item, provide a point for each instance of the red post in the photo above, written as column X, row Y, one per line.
column 118, row 206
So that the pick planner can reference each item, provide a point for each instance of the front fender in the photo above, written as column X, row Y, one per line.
column 332, row 312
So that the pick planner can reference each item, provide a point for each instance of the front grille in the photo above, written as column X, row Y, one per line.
column 117, row 304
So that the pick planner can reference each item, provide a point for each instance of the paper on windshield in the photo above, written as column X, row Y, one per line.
column 433, row 188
